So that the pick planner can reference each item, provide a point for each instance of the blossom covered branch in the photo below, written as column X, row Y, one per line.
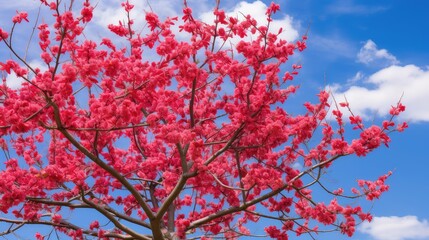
column 193, row 143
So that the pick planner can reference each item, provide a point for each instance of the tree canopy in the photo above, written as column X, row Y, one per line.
column 162, row 136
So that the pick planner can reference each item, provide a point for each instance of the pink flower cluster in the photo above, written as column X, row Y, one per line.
column 195, row 141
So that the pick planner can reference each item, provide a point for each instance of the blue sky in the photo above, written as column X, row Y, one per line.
column 372, row 52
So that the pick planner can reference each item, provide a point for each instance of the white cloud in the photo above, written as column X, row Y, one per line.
column 370, row 54
column 384, row 88
column 257, row 10
column 396, row 228
column 356, row 78
column 13, row 82
column 110, row 11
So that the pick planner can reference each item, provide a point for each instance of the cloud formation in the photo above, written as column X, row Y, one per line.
column 257, row 10
column 14, row 82
column 356, row 78
column 370, row 54
column 396, row 228
column 384, row 88
column 110, row 12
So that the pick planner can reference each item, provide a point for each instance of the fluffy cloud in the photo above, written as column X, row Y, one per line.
column 109, row 12
column 13, row 82
column 257, row 10
column 370, row 54
column 396, row 228
column 384, row 88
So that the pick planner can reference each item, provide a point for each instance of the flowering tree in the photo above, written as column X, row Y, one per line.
column 196, row 143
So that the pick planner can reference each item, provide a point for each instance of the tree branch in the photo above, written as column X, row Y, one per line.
column 65, row 224
column 191, row 102
column 100, row 163
column 227, row 145
column 111, row 217
column 245, row 205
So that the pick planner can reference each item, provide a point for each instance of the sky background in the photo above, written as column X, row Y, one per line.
column 372, row 52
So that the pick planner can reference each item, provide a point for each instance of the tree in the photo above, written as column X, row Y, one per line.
column 195, row 142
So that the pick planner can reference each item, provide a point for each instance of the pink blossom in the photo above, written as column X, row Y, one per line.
column 174, row 132
column 87, row 14
column 19, row 17
column 273, row 8
column 401, row 127
column 3, row 34
column 94, row 224
column 127, row 6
